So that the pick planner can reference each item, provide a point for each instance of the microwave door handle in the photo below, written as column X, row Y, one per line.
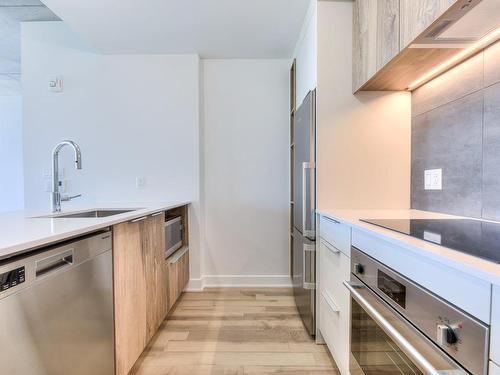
column 408, row 348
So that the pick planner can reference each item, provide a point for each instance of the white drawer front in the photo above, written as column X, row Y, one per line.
column 334, row 326
column 337, row 234
column 495, row 326
column 494, row 369
column 334, row 268
column 464, row 291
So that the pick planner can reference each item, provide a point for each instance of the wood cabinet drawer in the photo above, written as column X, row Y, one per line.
column 178, row 274
column 469, row 293
column 494, row 369
column 334, row 326
column 495, row 326
column 336, row 234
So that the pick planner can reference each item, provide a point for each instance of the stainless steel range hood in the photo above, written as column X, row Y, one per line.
column 465, row 23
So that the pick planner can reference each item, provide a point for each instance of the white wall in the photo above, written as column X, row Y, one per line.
column 245, row 187
column 132, row 115
column 11, row 153
column 363, row 140
column 306, row 55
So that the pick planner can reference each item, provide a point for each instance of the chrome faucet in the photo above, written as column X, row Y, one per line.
column 56, row 195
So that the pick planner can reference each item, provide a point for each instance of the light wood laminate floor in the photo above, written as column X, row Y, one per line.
column 234, row 332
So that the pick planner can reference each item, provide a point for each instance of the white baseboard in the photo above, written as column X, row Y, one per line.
column 239, row 281
column 194, row 285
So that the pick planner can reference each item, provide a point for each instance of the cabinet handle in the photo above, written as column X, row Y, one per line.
column 330, row 247
column 138, row 219
column 156, row 214
column 53, row 263
column 332, row 220
column 329, row 301
column 178, row 255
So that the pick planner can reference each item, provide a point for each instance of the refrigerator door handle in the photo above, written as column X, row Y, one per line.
column 309, row 233
column 308, row 285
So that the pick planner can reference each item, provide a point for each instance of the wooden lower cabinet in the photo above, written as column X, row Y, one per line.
column 178, row 275
column 140, row 278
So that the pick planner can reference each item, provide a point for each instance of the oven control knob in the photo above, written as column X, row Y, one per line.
column 359, row 269
column 446, row 334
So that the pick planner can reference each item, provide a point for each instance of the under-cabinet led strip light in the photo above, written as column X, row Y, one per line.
column 455, row 60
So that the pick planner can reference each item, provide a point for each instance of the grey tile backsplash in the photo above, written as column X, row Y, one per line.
column 456, row 127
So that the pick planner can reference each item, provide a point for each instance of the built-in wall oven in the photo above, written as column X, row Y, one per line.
column 173, row 235
column 398, row 327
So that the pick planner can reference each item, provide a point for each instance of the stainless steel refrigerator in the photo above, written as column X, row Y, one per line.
column 304, row 207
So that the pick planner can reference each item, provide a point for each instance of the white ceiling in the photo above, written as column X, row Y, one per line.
column 210, row 28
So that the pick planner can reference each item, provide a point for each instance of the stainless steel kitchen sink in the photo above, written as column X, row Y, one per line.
column 88, row 214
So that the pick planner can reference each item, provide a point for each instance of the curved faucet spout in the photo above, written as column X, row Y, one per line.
column 56, row 195
column 76, row 149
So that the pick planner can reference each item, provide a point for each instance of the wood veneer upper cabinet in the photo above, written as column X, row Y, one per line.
column 375, row 37
column 417, row 15
column 364, row 56
column 387, row 31
column 140, row 278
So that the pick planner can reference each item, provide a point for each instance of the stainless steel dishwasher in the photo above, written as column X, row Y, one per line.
column 56, row 310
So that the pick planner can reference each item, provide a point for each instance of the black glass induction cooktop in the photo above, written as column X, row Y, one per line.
column 474, row 237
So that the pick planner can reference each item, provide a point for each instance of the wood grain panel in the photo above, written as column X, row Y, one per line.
column 387, row 31
column 130, row 299
column 410, row 65
column 417, row 15
column 156, row 273
column 140, row 286
column 178, row 277
column 364, row 41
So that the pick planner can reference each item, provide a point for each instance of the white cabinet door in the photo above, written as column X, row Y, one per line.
column 495, row 325
column 334, row 307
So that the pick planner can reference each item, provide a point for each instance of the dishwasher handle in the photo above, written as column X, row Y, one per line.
column 54, row 263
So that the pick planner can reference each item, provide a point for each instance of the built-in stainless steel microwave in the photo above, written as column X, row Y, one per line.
column 173, row 235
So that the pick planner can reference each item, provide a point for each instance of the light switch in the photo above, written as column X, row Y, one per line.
column 56, row 84
column 433, row 179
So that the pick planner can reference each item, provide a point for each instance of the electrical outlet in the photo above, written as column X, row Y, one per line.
column 140, row 182
column 433, row 179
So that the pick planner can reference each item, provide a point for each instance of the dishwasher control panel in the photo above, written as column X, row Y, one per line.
column 12, row 278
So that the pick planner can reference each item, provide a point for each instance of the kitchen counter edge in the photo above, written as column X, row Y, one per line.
column 474, row 266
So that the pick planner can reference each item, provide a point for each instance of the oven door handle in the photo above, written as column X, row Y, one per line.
column 405, row 345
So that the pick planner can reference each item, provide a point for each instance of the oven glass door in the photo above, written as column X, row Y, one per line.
column 385, row 343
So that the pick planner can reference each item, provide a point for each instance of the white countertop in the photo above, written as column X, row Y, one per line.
column 22, row 231
column 474, row 266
